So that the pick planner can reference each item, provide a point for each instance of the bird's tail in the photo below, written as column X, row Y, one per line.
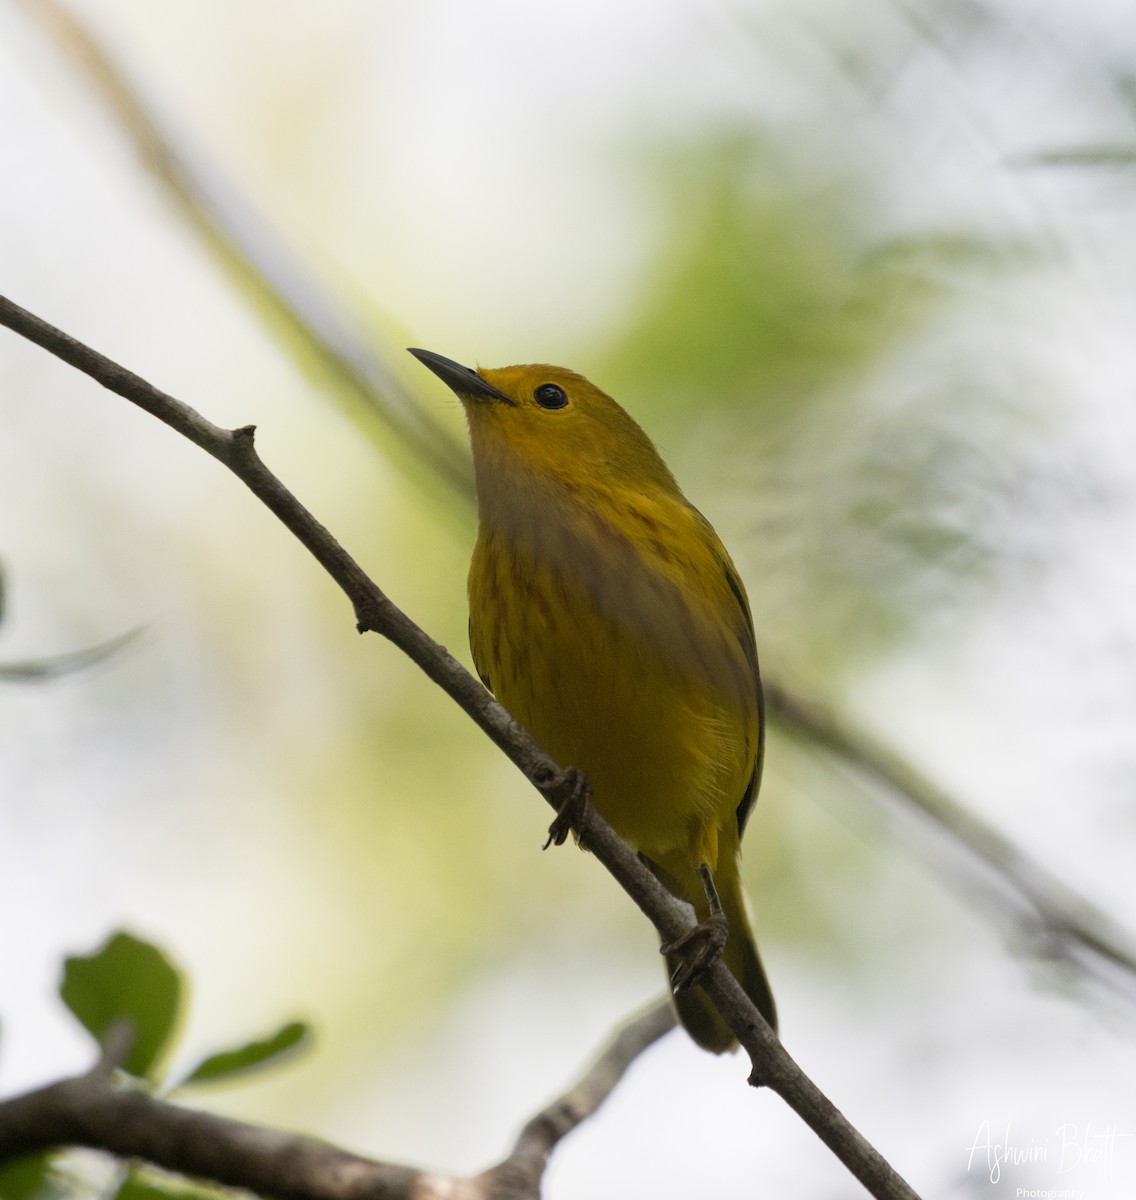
column 698, row 1015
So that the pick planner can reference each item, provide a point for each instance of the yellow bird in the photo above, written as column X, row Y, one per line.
column 607, row 617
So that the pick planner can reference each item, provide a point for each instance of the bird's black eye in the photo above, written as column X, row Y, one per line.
column 549, row 395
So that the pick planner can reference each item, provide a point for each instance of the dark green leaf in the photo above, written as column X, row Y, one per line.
column 26, row 1178
column 253, row 1055
column 130, row 980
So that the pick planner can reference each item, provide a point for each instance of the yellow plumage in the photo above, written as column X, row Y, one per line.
column 607, row 617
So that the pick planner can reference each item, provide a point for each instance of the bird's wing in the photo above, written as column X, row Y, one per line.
column 749, row 648
column 479, row 667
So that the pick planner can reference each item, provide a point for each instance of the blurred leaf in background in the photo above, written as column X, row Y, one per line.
column 126, row 980
column 30, row 1178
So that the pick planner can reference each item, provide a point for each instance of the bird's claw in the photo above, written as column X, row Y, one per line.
column 573, row 795
column 692, row 955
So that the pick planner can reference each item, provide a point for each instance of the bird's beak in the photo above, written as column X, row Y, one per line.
column 465, row 381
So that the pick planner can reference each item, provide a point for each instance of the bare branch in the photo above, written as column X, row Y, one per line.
column 772, row 1065
column 91, row 1111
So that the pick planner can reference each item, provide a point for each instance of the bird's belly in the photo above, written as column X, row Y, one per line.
column 666, row 758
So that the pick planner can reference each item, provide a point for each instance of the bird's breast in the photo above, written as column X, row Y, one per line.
column 612, row 658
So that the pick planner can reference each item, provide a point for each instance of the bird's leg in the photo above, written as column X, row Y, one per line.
column 571, row 793
column 691, row 955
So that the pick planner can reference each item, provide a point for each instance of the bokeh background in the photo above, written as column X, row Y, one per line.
column 866, row 273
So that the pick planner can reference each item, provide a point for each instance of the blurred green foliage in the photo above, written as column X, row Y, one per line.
column 30, row 1178
column 226, row 1065
column 760, row 296
column 778, row 346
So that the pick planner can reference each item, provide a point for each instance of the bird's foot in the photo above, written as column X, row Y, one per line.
column 572, row 795
column 692, row 955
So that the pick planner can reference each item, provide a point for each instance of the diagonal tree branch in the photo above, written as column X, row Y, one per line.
column 1065, row 925
column 771, row 1063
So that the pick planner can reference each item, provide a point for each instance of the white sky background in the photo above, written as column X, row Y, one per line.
column 485, row 141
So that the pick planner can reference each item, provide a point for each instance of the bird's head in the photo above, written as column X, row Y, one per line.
column 550, row 422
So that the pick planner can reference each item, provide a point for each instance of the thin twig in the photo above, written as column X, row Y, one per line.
column 553, row 1123
column 116, row 1046
column 39, row 670
column 771, row 1064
